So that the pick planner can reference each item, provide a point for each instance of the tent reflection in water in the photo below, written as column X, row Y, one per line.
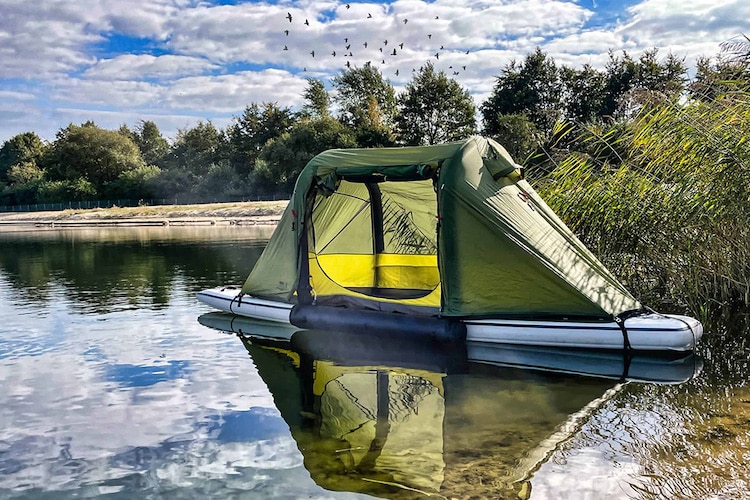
column 391, row 420
column 446, row 240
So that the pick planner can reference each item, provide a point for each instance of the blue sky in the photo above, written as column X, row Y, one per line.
column 177, row 62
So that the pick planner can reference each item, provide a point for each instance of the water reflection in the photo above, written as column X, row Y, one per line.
column 395, row 418
column 110, row 388
column 126, row 268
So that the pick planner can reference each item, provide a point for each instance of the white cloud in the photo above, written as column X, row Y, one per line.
column 131, row 66
column 192, row 58
column 231, row 93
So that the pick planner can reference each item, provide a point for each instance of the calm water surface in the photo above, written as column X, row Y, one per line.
column 115, row 382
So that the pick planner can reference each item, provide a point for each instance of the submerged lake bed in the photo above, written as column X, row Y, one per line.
column 111, row 385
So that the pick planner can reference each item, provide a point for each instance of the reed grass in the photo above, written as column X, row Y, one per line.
column 664, row 200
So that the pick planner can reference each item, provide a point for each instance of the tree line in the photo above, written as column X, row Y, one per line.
column 534, row 110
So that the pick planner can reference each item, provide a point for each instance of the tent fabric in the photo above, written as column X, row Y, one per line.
column 451, row 229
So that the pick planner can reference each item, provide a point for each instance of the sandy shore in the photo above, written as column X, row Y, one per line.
column 245, row 213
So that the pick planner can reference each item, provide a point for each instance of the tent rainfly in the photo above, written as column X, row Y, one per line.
column 447, row 241
column 451, row 230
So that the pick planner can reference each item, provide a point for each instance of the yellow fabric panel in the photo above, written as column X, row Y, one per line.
column 323, row 284
column 407, row 271
column 347, row 269
column 382, row 270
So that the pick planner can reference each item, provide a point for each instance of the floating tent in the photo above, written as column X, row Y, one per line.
column 450, row 230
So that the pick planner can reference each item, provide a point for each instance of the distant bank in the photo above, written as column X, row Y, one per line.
column 241, row 213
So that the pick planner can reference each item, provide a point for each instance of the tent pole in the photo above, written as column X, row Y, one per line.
column 376, row 213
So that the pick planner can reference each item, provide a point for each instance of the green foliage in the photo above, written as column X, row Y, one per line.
column 584, row 93
column 221, row 182
column 669, row 213
column 78, row 189
column 153, row 146
column 317, row 100
column 196, row 149
column 22, row 148
column 532, row 88
column 284, row 158
column 91, row 153
column 133, row 184
column 518, row 135
column 630, row 84
column 434, row 109
column 25, row 173
column 248, row 133
column 354, row 90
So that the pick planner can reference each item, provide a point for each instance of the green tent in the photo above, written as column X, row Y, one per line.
column 451, row 230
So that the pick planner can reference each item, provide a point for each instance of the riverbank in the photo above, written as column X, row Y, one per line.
column 239, row 213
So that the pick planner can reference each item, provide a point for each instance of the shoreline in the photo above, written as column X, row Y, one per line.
column 252, row 213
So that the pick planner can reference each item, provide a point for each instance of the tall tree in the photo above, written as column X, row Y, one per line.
column 154, row 147
column 317, row 100
column 92, row 153
column 27, row 147
column 355, row 89
column 583, row 92
column 630, row 83
column 283, row 158
column 719, row 78
column 196, row 149
column 248, row 133
column 532, row 88
column 433, row 109
column 518, row 135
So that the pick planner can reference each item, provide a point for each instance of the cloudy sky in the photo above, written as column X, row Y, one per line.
column 177, row 62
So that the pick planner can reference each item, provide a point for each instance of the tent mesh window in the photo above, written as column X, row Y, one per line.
column 376, row 239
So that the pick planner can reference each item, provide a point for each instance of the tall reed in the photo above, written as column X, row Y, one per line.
column 665, row 201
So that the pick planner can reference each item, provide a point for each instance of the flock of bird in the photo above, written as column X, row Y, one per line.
column 382, row 56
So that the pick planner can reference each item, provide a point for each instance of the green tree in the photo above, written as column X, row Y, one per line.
column 317, row 100
column 27, row 147
column 355, row 90
column 532, row 88
column 583, row 92
column 92, row 153
column 66, row 190
column 134, row 184
column 631, row 84
column 196, row 149
column 248, row 134
column 433, row 109
column 153, row 146
column 283, row 158
column 518, row 135
column 715, row 79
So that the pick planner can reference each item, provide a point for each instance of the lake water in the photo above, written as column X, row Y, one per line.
column 112, row 385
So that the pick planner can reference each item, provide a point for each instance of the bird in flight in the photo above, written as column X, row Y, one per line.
column 348, row 6
column 286, row 48
column 365, row 44
column 307, row 22
column 429, row 36
column 286, row 32
column 312, row 53
column 406, row 21
column 396, row 72
column 385, row 42
column 394, row 52
column 369, row 16
column 401, row 45
column 437, row 55
column 289, row 16
column 333, row 53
